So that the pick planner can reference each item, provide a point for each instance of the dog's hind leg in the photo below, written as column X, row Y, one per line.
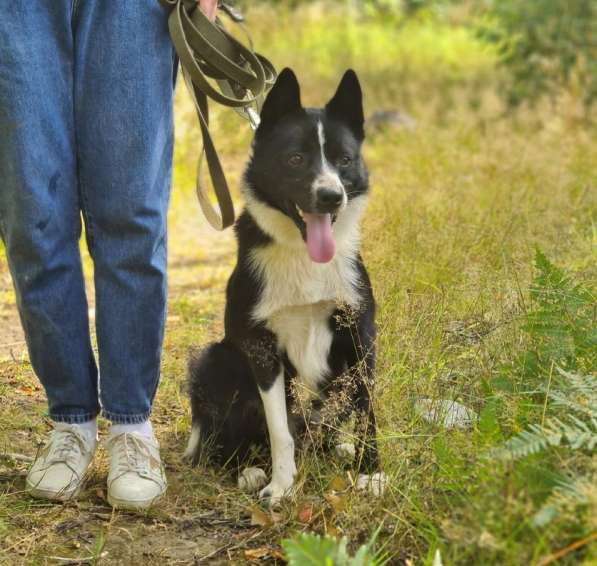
column 192, row 450
column 252, row 479
column 225, row 404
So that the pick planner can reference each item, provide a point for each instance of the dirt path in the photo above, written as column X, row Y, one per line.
column 12, row 341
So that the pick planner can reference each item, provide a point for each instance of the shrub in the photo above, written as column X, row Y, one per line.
column 545, row 46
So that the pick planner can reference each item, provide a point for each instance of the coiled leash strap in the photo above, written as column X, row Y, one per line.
column 207, row 51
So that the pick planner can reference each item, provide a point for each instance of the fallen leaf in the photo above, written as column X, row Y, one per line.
column 262, row 518
column 28, row 390
column 338, row 483
column 337, row 502
column 305, row 513
column 257, row 553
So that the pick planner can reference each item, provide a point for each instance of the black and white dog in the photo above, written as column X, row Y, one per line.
column 299, row 304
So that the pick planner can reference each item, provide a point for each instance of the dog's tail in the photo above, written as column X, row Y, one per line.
column 227, row 413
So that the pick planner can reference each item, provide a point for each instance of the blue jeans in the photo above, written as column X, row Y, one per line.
column 86, row 90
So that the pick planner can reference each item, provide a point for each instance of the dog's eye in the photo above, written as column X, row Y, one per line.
column 295, row 160
column 345, row 161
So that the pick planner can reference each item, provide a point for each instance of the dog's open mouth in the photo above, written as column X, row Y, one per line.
column 316, row 229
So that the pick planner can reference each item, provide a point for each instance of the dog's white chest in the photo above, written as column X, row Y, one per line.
column 304, row 334
column 296, row 302
column 290, row 279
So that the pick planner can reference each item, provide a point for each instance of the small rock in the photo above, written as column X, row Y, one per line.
column 446, row 413
column 345, row 451
column 375, row 484
column 394, row 119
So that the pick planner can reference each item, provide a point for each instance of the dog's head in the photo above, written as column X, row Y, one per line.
column 307, row 163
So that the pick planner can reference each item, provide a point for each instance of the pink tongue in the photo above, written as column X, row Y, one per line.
column 320, row 240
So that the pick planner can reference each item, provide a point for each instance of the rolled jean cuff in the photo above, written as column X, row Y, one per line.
column 116, row 418
column 73, row 419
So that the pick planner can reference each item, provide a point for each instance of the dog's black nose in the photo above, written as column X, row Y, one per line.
column 328, row 199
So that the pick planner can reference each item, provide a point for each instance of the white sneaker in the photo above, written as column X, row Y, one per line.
column 136, row 478
column 59, row 469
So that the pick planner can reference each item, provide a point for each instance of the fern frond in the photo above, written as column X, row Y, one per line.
column 527, row 442
column 580, row 394
column 577, row 429
column 570, row 492
column 580, row 405
column 571, row 432
column 561, row 327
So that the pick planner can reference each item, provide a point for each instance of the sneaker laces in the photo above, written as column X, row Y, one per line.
column 132, row 453
column 68, row 445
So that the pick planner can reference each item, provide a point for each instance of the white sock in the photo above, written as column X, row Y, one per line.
column 144, row 429
column 89, row 428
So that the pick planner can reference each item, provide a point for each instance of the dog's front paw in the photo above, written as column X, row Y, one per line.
column 375, row 484
column 274, row 492
column 252, row 479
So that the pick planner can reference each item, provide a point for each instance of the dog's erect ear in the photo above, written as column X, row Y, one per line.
column 283, row 99
column 347, row 104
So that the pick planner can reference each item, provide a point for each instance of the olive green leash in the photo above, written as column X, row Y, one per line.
column 216, row 65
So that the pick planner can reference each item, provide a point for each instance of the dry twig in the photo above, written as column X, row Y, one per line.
column 567, row 550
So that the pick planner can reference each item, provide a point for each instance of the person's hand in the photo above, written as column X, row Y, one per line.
column 209, row 8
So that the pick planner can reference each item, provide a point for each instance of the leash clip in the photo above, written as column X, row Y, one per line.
column 233, row 12
column 254, row 118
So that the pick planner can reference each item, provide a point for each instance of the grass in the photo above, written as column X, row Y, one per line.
column 458, row 206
